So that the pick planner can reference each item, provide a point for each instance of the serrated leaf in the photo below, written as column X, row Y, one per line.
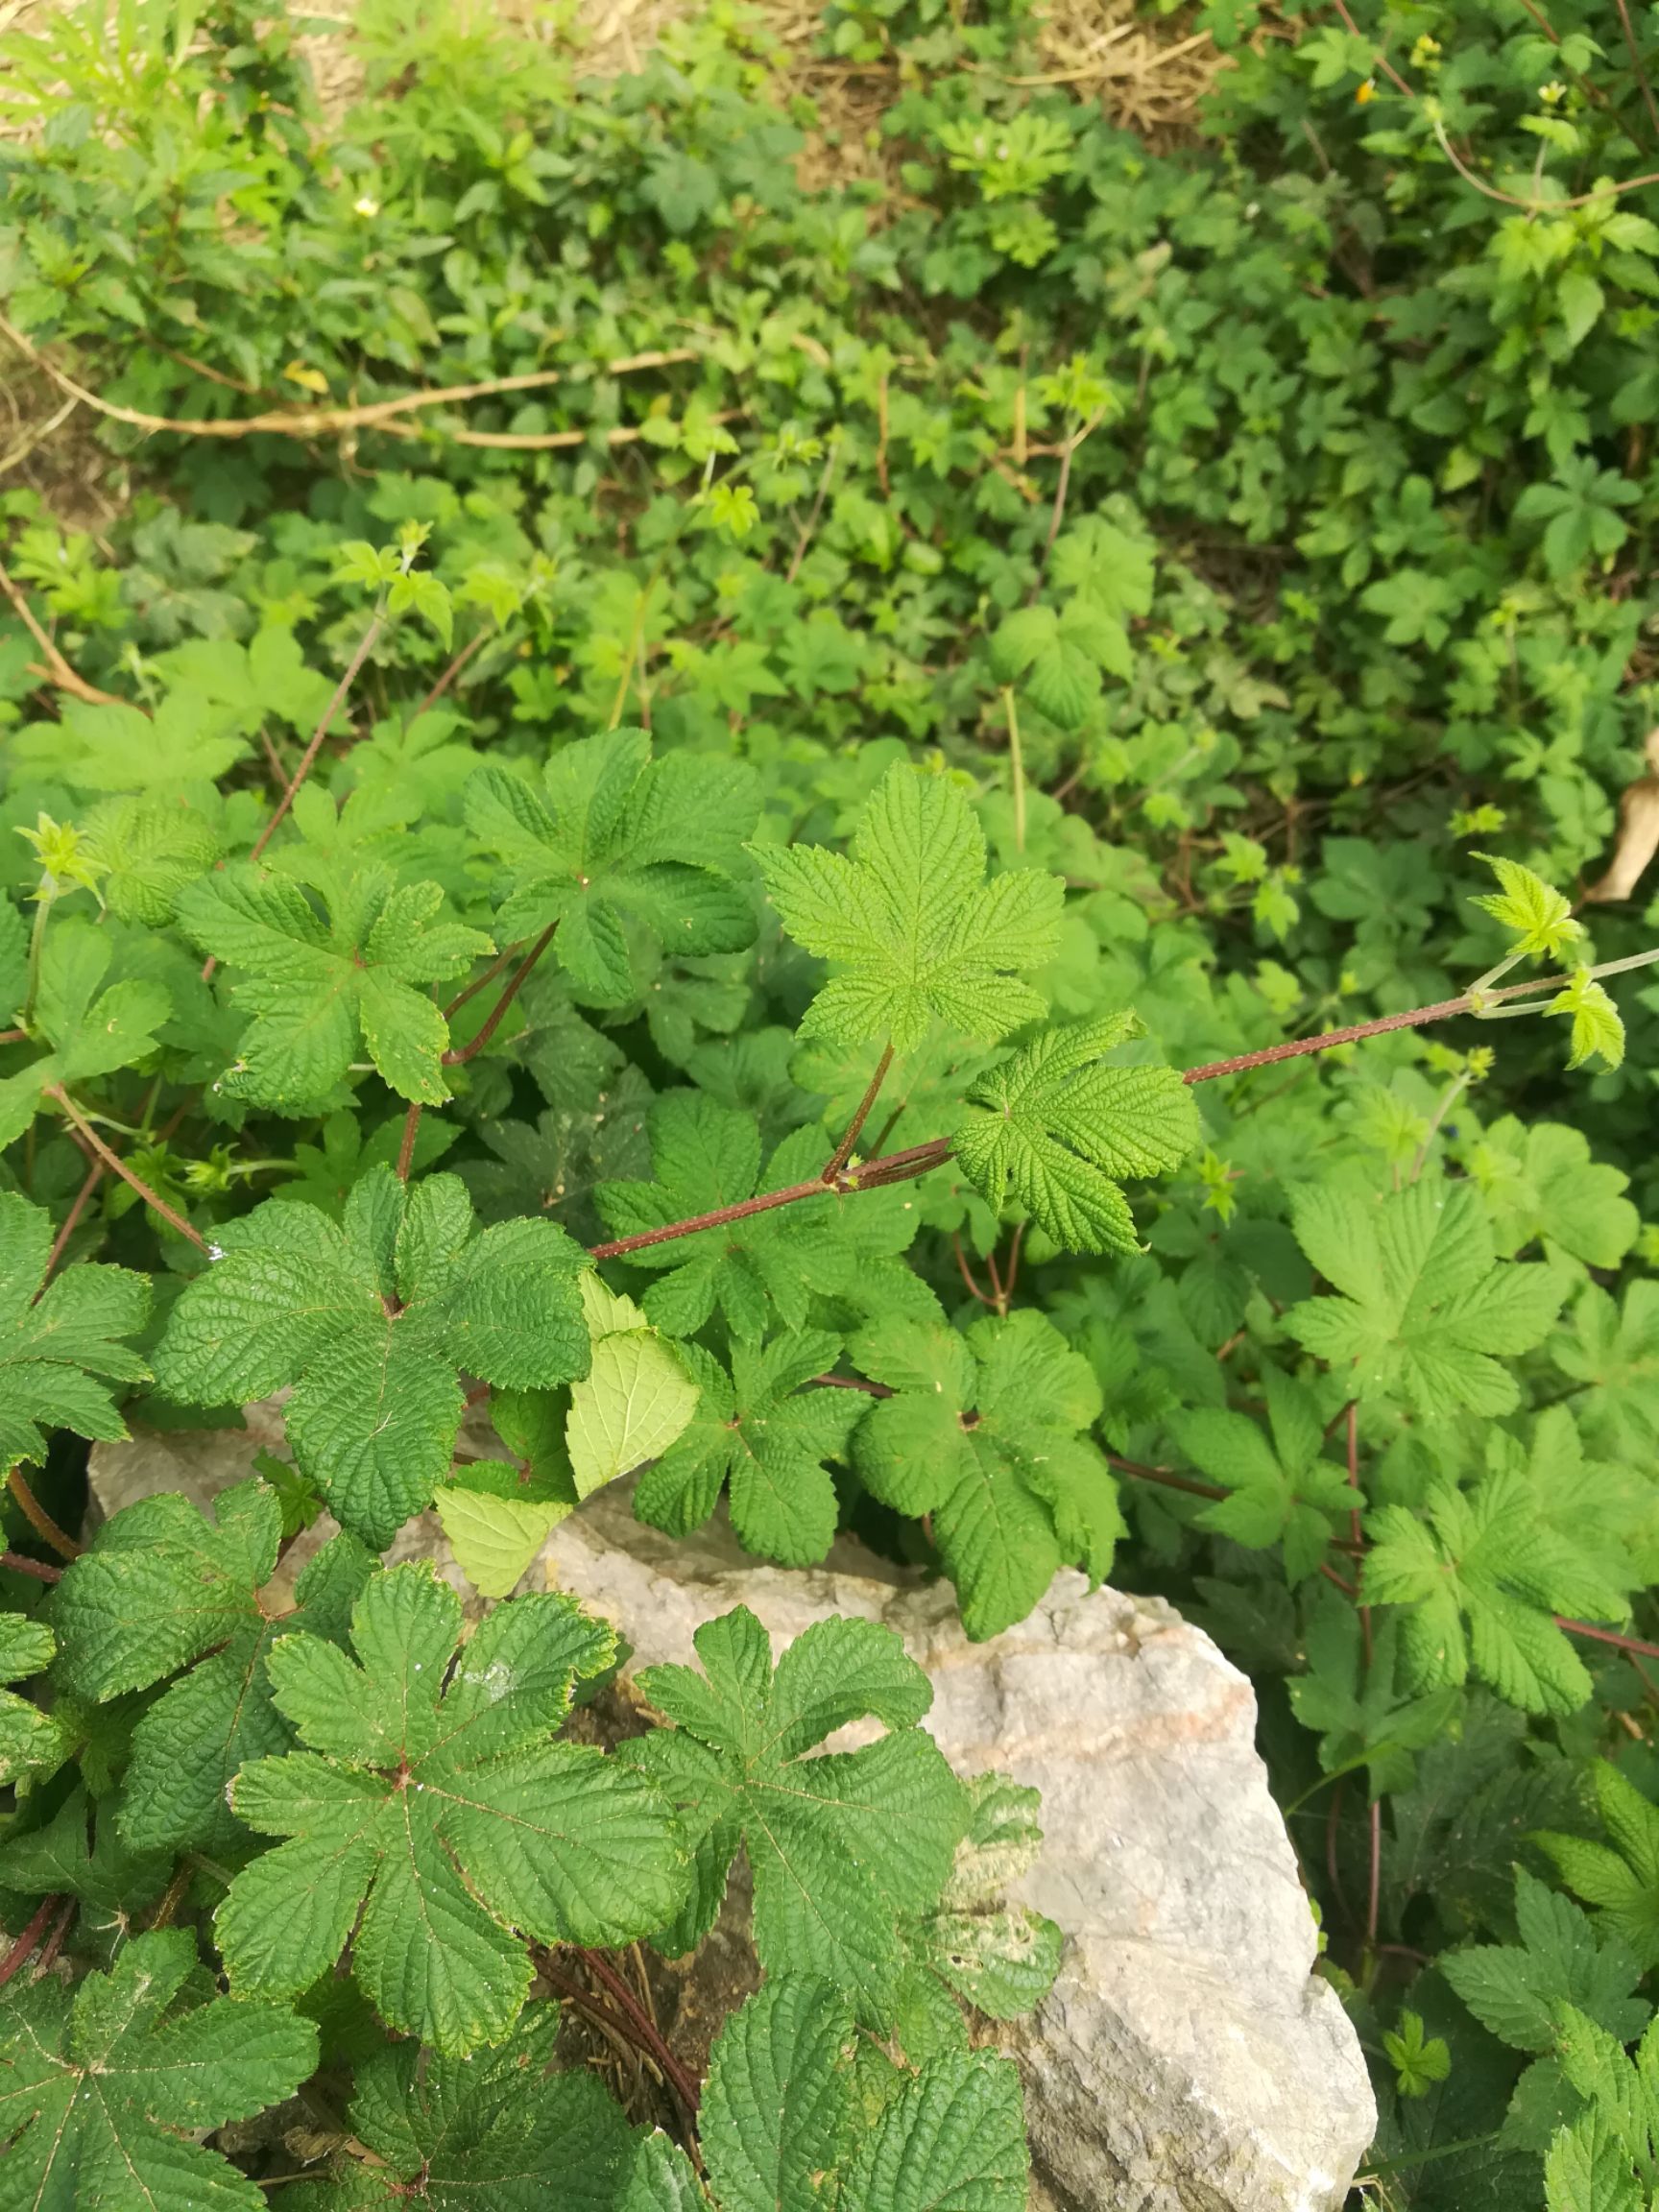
column 61, row 1344
column 909, row 921
column 495, row 1538
column 428, row 1819
column 322, row 989
column 635, row 1398
column 1281, row 1488
column 776, row 2117
column 830, row 1882
column 101, row 2093
column 1058, row 1131
column 1538, row 918
column 371, row 1322
column 620, row 840
column 1427, row 1311
column 952, row 2140
column 1000, row 1958
column 988, row 1447
column 92, row 1032
column 1515, row 1989
column 1620, row 1878
column 29, row 1737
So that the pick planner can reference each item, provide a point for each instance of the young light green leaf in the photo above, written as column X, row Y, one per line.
column 1060, row 656
column 101, row 2093
column 428, row 1818
column 831, row 1880
column 372, row 1323
column 1058, row 1131
column 635, row 1398
column 1597, row 1028
column 1538, row 918
column 909, row 921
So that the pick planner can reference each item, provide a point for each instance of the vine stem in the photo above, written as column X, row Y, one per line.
column 894, row 1167
column 114, row 1160
column 365, row 646
column 494, row 1018
column 60, row 1242
column 843, row 1151
column 406, row 1149
column 649, row 2033
column 56, row 670
column 473, row 645
column 38, row 1519
column 15, row 1563
column 31, row 1936
column 1631, row 1644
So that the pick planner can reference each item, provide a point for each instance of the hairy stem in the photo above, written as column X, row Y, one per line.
column 31, row 1936
column 307, row 759
column 38, row 1519
column 473, row 645
column 494, row 1018
column 649, row 2033
column 60, row 1244
column 1016, row 767
column 406, row 1149
column 896, row 1167
column 843, row 1151
column 114, row 1160
column 15, row 1563
column 1633, row 1646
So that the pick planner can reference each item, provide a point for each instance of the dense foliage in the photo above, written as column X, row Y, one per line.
column 715, row 814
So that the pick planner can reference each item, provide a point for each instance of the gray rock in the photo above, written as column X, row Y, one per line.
column 1188, row 2060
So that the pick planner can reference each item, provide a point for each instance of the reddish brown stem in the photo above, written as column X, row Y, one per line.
column 54, row 1941
column 31, row 1936
column 843, row 1151
column 113, row 1161
column 38, row 1519
column 493, row 1020
column 1374, row 1888
column 967, row 1273
column 1165, row 1479
column 896, row 1167
column 473, row 645
column 406, row 1151
column 1632, row 1644
column 12, row 1035
column 1341, row 1581
column 649, row 2034
column 15, row 1563
column 484, row 982
column 60, row 1244
column 850, row 1382
column 307, row 759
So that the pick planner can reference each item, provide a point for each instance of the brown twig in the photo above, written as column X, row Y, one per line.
column 56, row 670
column 114, row 1160
column 38, row 1519
column 60, row 1244
column 1633, row 1646
column 484, row 982
column 16, row 1563
column 1635, row 53
column 967, row 1273
column 475, row 645
column 458, row 1058
column 649, row 2034
column 325, row 421
column 365, row 646
column 406, row 1149
column 31, row 1936
column 843, row 1151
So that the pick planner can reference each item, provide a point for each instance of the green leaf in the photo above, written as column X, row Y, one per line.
column 1621, row 1879
column 1537, row 917
column 776, row 2117
column 372, row 1323
column 429, row 1815
column 494, row 1535
column 1540, row 1182
column 150, row 850
column 322, row 989
column 1613, row 1356
column 29, row 1737
column 1515, row 1989
column 831, row 1878
column 101, row 2094
column 61, row 1344
column 1058, row 1131
column 92, row 1032
column 766, row 1268
column 1427, row 1312
column 1358, row 1702
column 637, row 1398
column 909, row 921
column 954, row 2137
column 1000, row 1958
column 1281, row 1488
column 1597, row 1028
column 760, row 1431
column 620, row 842
column 982, row 1434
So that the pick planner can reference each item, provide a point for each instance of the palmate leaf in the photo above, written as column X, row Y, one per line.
column 498, row 2130
column 910, row 921
column 767, row 1267
column 1516, row 1990
column 1601, row 2160
column 163, row 1587
column 981, row 1433
column 321, row 987
column 91, row 1031
column 780, row 2122
column 1482, row 1573
column 1619, row 1878
column 431, row 1815
column 552, row 1166
column 371, row 1322
column 1000, row 1958
column 102, row 2092
column 80, row 1853
column 840, row 1846
column 1613, row 1357
column 767, row 1438
column 1281, row 1487
column 1352, row 1697
column 1057, row 1131
column 1060, row 656
column 1428, row 1312
column 61, row 1346
column 29, row 1737
column 620, row 839
column 1538, row 918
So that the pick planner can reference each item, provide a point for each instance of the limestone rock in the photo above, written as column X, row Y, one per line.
column 1187, row 2060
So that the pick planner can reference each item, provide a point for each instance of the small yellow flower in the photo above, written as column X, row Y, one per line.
column 1366, row 93
column 365, row 205
column 1553, row 93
